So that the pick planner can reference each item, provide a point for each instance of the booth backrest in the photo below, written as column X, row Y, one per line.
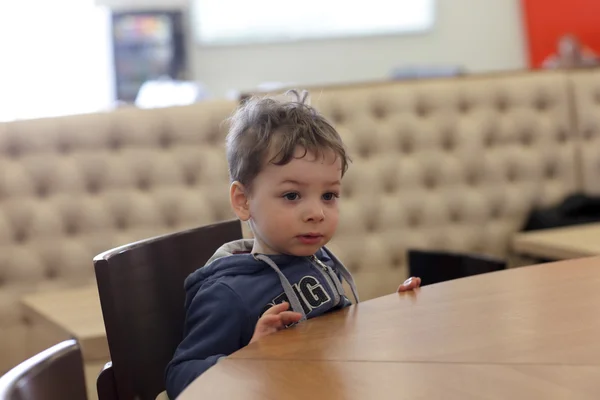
column 446, row 164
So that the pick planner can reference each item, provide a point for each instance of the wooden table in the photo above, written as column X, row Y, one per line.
column 560, row 243
column 78, row 314
column 523, row 333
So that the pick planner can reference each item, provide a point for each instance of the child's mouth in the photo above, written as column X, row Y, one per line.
column 310, row 238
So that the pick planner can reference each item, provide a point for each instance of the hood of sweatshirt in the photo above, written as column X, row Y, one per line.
column 235, row 259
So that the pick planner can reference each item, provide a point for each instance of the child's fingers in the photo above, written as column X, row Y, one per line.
column 269, row 320
column 274, row 319
column 277, row 317
column 276, row 309
column 280, row 320
column 410, row 284
column 413, row 282
column 289, row 317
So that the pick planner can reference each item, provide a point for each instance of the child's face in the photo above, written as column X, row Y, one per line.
column 293, row 208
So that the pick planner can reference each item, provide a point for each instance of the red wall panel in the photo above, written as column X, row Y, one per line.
column 547, row 20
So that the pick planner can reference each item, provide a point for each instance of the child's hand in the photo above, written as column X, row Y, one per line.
column 274, row 319
column 410, row 284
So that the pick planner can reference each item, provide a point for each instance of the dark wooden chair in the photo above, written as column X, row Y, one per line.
column 142, row 298
column 440, row 266
column 54, row 374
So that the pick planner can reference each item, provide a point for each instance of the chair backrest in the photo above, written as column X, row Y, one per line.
column 142, row 298
column 106, row 385
column 440, row 266
column 55, row 373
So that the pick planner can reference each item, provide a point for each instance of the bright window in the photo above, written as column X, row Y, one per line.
column 242, row 21
column 54, row 58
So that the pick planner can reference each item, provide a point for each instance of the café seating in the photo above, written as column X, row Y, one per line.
column 54, row 374
column 440, row 266
column 141, row 288
column 439, row 164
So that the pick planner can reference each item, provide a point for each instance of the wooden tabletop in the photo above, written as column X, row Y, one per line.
column 281, row 380
column 528, row 332
column 560, row 243
column 78, row 313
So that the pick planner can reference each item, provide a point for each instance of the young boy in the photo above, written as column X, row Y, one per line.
column 286, row 164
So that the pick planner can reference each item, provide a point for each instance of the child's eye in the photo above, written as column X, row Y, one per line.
column 291, row 196
column 330, row 196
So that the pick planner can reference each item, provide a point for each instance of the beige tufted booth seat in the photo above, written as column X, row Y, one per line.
column 450, row 164
column 73, row 187
column 586, row 98
column 445, row 164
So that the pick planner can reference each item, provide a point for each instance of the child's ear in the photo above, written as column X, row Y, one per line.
column 239, row 200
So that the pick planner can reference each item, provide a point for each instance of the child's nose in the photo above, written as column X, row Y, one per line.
column 314, row 213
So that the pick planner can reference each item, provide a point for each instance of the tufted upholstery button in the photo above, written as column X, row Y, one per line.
column 63, row 147
column 143, row 184
column 495, row 211
column 92, row 186
column 561, row 137
column 51, row 273
column 407, row 146
column 13, row 149
column 114, row 142
column 71, row 228
column 526, row 138
column 25, row 320
column 354, row 267
column 430, row 181
column 371, row 226
column 489, row 139
column 414, row 219
column 551, row 170
column 597, row 97
column 397, row 262
column 389, row 187
column 218, row 215
column 165, row 140
column 588, row 133
column 348, row 192
column 379, row 111
column 511, row 173
column 337, row 116
column 171, row 221
column 364, row 151
column 42, row 190
column 542, row 104
column 464, row 106
column 20, row 236
column 190, row 178
column 448, row 142
column 422, row 109
column 502, row 104
column 121, row 223
column 455, row 216
column 472, row 176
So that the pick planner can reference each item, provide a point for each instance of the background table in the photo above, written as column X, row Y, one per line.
column 560, row 243
column 78, row 314
column 529, row 332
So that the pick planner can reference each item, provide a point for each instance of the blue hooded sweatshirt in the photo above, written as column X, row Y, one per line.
column 225, row 299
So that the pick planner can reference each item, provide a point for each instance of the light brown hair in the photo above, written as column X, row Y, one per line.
column 263, row 126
